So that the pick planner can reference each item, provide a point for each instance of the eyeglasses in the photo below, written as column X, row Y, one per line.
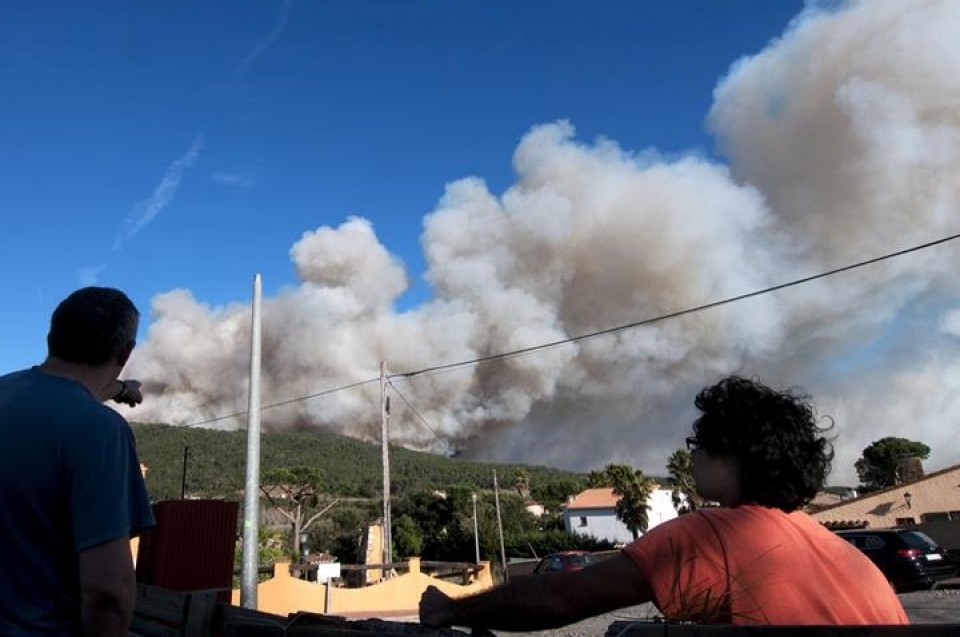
column 692, row 443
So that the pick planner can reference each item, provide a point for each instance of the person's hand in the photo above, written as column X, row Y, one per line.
column 435, row 608
column 128, row 392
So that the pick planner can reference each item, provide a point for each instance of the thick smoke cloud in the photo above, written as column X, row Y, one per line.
column 842, row 141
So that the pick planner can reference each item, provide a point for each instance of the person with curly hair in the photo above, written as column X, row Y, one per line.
column 754, row 559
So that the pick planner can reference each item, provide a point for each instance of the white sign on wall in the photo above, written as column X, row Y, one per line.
column 327, row 571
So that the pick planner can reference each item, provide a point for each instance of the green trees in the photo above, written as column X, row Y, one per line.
column 407, row 537
column 342, row 531
column 880, row 465
column 680, row 467
column 352, row 468
column 442, row 528
column 553, row 493
column 444, row 524
column 598, row 479
column 294, row 492
column 634, row 489
column 521, row 482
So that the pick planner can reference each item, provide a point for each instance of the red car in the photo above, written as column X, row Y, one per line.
column 564, row 562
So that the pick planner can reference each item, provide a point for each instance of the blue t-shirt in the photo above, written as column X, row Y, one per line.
column 69, row 480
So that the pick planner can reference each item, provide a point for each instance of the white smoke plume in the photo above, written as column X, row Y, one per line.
column 843, row 143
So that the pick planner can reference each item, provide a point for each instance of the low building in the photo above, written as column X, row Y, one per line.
column 926, row 499
column 593, row 513
column 535, row 509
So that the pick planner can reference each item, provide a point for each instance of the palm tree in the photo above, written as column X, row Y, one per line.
column 598, row 479
column 634, row 489
column 521, row 482
column 685, row 497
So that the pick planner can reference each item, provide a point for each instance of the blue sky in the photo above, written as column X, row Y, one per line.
column 153, row 146
column 552, row 168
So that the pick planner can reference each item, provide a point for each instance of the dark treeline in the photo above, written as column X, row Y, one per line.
column 350, row 471
column 216, row 465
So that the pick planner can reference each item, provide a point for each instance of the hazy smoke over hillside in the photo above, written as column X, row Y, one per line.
column 843, row 143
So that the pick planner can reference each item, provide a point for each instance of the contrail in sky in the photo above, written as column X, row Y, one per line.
column 88, row 275
column 144, row 212
column 264, row 43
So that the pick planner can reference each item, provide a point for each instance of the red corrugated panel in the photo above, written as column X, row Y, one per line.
column 192, row 546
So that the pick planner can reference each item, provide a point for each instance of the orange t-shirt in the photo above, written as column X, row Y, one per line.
column 756, row 565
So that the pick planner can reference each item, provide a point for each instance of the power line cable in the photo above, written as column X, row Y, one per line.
column 672, row 315
column 286, row 402
column 413, row 409
column 595, row 334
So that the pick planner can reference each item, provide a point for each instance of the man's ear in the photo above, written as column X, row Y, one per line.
column 124, row 355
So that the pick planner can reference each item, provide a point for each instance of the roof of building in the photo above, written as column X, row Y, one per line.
column 872, row 494
column 603, row 498
column 594, row 499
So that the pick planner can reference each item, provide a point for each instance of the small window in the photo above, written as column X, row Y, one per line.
column 583, row 520
column 906, row 522
column 954, row 515
column 936, row 516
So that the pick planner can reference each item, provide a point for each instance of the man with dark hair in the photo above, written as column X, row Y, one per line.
column 756, row 559
column 70, row 482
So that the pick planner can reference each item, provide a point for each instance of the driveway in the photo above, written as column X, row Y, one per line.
column 932, row 607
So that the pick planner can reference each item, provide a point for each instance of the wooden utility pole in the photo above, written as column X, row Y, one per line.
column 503, row 552
column 385, row 452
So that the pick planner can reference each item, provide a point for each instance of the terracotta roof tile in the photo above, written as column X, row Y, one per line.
column 594, row 499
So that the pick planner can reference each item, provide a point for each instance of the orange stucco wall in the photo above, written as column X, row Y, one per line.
column 936, row 492
column 284, row 594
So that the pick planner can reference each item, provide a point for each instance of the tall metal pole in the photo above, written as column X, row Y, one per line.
column 251, row 493
column 183, row 479
column 476, row 536
column 503, row 551
column 385, row 452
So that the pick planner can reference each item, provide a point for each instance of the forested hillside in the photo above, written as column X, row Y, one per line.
column 216, row 465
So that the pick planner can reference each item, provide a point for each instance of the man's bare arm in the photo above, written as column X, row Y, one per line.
column 107, row 589
column 542, row 601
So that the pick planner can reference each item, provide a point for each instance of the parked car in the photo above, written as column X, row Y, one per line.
column 910, row 559
column 565, row 561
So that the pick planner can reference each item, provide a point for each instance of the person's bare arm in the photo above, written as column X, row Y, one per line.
column 539, row 602
column 107, row 589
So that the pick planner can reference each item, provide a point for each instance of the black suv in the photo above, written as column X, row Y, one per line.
column 909, row 559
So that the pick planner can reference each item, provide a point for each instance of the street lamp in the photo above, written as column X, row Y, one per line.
column 908, row 499
column 476, row 536
column 304, row 550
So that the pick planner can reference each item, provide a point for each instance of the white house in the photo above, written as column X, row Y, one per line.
column 534, row 508
column 593, row 512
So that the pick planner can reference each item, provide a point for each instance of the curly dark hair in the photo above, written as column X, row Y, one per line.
column 783, row 457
